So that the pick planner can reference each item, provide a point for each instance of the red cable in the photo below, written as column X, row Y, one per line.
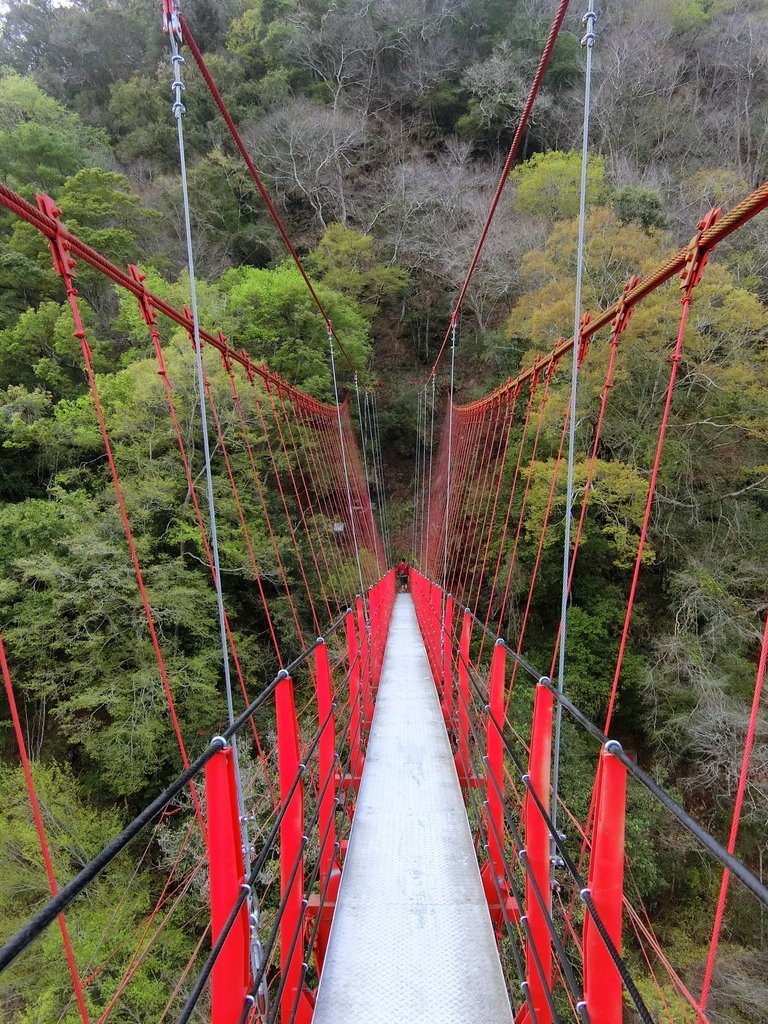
column 551, row 370
column 40, row 829
column 500, row 443
column 483, row 498
column 508, row 163
column 299, row 450
column 534, row 383
column 735, row 821
column 289, row 522
column 64, row 270
column 237, row 138
column 619, row 326
column 466, row 494
column 539, row 552
column 299, row 504
column 509, row 420
column 192, row 491
column 317, row 466
column 270, row 528
column 675, row 361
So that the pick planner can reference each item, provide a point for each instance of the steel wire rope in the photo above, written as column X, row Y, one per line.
column 514, row 149
column 364, row 445
column 194, row 49
column 37, row 818
column 427, row 561
column 342, row 447
column 18, row 942
column 588, row 41
column 178, row 108
column 449, row 468
column 416, row 484
column 385, row 499
column 252, row 876
column 379, row 461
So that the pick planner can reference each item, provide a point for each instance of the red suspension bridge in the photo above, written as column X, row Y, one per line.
column 430, row 867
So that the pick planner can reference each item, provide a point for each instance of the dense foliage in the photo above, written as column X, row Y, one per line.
column 380, row 129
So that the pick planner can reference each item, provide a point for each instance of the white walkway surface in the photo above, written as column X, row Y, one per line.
column 411, row 941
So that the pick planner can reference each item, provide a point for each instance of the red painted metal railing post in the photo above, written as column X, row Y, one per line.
column 291, row 846
column 330, row 871
column 602, row 982
column 463, row 766
column 374, row 613
column 326, row 758
column 365, row 663
column 231, row 972
column 446, row 657
column 355, row 724
column 537, row 848
column 494, row 765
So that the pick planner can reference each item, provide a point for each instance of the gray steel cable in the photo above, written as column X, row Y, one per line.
column 588, row 41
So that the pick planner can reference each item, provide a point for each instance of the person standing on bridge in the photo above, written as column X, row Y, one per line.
column 401, row 571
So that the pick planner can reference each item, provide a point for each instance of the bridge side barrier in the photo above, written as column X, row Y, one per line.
column 238, row 962
column 526, row 836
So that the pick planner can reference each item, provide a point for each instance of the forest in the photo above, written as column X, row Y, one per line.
column 381, row 132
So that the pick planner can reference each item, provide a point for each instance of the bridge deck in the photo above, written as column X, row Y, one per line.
column 411, row 941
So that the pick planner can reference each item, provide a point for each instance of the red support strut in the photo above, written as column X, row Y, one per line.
column 602, row 982
column 292, row 844
column 539, row 976
column 231, row 972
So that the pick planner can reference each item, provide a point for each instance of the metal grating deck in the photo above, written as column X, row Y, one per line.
column 411, row 941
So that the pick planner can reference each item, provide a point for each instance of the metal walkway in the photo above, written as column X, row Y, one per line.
column 411, row 941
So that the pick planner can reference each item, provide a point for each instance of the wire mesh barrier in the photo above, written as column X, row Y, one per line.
column 269, row 924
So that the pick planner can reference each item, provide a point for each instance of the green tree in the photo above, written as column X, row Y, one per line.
column 272, row 314
column 548, row 184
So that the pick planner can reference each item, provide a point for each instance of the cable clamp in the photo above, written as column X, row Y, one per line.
column 613, row 747
column 172, row 20
column 584, row 339
column 697, row 255
column 219, row 742
column 584, row 894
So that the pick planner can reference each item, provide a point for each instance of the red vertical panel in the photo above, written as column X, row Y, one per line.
column 354, row 694
column 365, row 663
column 326, row 755
column 463, row 711
column 231, row 972
column 602, row 982
column 447, row 663
column 291, row 832
column 495, row 762
column 537, row 847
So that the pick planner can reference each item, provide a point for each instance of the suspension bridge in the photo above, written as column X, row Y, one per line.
column 411, row 753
